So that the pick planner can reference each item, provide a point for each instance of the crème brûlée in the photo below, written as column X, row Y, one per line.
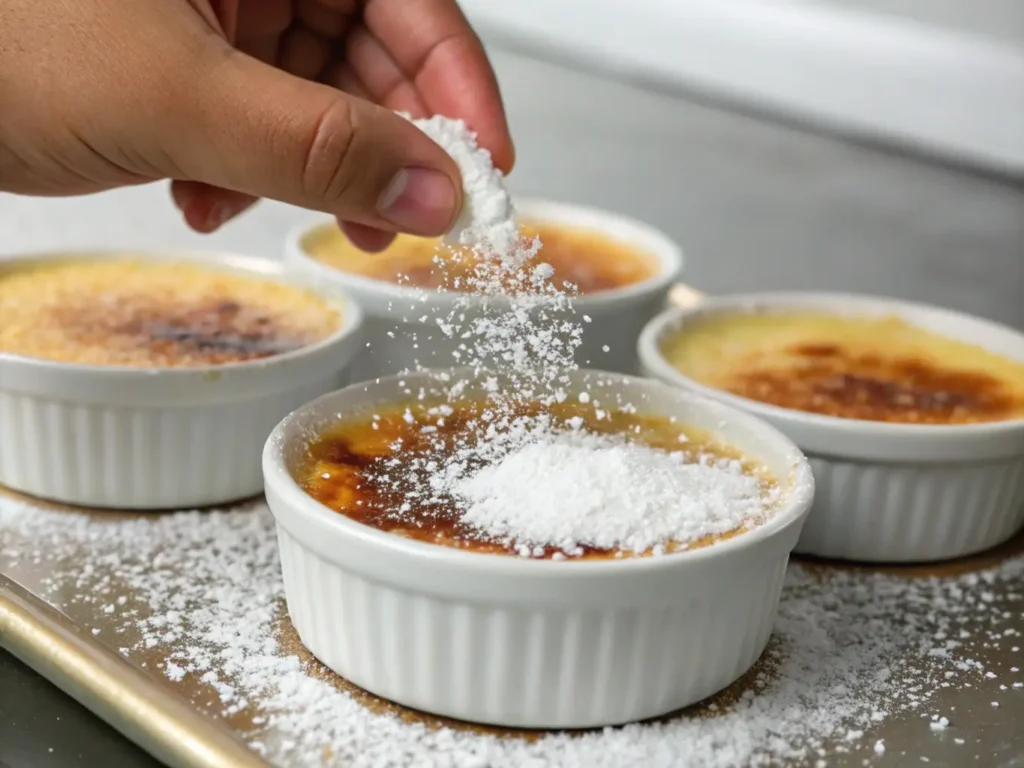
column 589, row 261
column 154, row 314
column 381, row 470
column 869, row 368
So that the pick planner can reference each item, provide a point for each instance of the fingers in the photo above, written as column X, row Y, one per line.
column 324, row 19
column 304, row 53
column 254, row 129
column 205, row 208
column 226, row 12
column 367, row 238
column 435, row 48
column 383, row 79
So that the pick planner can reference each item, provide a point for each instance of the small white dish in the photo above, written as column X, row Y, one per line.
column 886, row 492
column 400, row 327
column 121, row 437
column 525, row 643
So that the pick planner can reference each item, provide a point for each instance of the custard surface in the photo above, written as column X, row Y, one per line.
column 874, row 369
column 589, row 260
column 345, row 460
column 154, row 314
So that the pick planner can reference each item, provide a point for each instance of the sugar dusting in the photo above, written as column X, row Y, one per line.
column 538, row 486
column 576, row 489
column 198, row 598
column 511, row 315
column 552, row 482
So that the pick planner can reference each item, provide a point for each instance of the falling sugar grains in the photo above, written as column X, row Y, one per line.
column 513, row 321
column 511, row 316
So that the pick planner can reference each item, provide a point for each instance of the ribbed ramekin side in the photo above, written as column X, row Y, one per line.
column 912, row 512
column 517, row 665
column 108, row 455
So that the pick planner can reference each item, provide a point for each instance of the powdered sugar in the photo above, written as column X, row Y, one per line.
column 537, row 488
column 511, row 315
column 487, row 214
column 198, row 598
column 573, row 489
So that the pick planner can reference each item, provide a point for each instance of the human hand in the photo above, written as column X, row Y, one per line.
column 239, row 99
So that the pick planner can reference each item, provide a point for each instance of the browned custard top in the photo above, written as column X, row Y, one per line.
column 875, row 369
column 154, row 314
column 591, row 261
column 366, row 466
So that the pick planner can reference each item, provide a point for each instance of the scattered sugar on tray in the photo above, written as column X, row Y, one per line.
column 204, row 591
column 574, row 489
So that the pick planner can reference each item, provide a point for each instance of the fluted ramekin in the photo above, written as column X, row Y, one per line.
column 401, row 330
column 122, row 437
column 885, row 492
column 526, row 643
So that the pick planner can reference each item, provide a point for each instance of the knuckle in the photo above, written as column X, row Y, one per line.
column 328, row 172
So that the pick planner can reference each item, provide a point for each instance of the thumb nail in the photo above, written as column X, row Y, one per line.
column 419, row 201
column 219, row 215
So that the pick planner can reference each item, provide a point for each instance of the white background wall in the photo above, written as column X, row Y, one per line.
column 1001, row 20
column 944, row 77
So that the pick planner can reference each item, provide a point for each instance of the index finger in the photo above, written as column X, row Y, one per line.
column 436, row 48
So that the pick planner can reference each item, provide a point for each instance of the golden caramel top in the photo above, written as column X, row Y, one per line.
column 362, row 468
column 154, row 314
column 874, row 369
column 591, row 261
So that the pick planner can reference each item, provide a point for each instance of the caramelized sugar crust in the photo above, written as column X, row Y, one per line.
column 874, row 369
column 152, row 314
column 343, row 471
column 591, row 261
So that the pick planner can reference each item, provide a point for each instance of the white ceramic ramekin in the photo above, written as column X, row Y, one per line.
column 120, row 437
column 525, row 643
column 400, row 327
column 886, row 492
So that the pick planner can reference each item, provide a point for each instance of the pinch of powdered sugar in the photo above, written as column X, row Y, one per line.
column 205, row 589
column 487, row 213
column 511, row 315
column 574, row 489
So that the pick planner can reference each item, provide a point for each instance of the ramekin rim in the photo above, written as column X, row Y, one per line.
column 351, row 314
column 800, row 493
column 670, row 255
column 649, row 351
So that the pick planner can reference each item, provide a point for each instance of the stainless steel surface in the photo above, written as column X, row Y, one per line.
column 127, row 698
column 43, row 727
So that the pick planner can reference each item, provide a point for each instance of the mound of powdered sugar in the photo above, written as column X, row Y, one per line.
column 198, row 598
column 573, row 489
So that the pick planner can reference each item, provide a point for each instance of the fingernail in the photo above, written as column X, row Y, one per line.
column 219, row 213
column 420, row 201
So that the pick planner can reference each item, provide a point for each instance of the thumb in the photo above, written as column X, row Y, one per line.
column 255, row 129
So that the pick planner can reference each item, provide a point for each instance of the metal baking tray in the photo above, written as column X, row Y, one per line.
column 173, row 722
